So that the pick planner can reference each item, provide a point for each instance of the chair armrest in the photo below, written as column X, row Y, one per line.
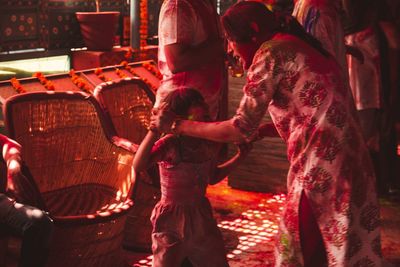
column 124, row 143
column 101, row 216
column 20, row 182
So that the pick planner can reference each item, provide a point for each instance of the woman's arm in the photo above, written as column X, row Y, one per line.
column 225, row 168
column 142, row 157
column 258, row 92
column 222, row 131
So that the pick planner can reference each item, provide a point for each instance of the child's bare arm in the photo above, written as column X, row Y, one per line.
column 225, row 168
column 142, row 157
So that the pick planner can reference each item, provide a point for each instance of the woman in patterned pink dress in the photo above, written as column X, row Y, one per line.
column 331, row 216
column 183, row 224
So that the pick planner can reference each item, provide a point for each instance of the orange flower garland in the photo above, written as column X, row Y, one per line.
column 120, row 73
column 131, row 70
column 99, row 73
column 17, row 85
column 143, row 28
column 43, row 80
column 153, row 70
column 128, row 55
column 79, row 82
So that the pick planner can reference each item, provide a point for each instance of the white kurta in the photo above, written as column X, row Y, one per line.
column 312, row 108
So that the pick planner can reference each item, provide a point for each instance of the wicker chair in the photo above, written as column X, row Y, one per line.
column 83, row 172
column 128, row 102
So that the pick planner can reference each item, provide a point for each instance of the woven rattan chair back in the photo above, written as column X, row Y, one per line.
column 65, row 143
column 128, row 102
column 84, row 177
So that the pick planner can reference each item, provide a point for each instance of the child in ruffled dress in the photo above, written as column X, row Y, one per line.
column 183, row 223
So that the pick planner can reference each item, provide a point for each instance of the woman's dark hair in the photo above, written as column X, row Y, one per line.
column 238, row 19
column 180, row 100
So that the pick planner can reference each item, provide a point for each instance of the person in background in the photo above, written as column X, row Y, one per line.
column 331, row 216
column 33, row 224
column 323, row 20
column 191, row 50
column 370, row 28
column 183, row 224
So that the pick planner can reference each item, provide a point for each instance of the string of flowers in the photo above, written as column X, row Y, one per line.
column 120, row 73
column 79, row 82
column 132, row 71
column 128, row 55
column 143, row 28
column 43, row 80
column 99, row 73
column 17, row 86
column 153, row 70
column 129, row 68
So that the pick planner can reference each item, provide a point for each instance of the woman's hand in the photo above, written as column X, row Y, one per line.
column 161, row 119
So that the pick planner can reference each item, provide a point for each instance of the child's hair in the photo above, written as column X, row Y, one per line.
column 182, row 99
column 238, row 18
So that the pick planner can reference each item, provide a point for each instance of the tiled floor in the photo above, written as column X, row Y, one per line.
column 248, row 222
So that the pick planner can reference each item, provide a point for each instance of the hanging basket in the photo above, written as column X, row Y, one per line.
column 98, row 29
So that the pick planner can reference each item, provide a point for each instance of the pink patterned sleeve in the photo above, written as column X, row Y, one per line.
column 177, row 22
column 257, row 94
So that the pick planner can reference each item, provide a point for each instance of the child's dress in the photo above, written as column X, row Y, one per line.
column 183, row 223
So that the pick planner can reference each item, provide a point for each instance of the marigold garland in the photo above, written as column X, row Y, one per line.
column 131, row 70
column 99, row 73
column 128, row 55
column 120, row 73
column 17, row 85
column 79, row 82
column 153, row 70
column 43, row 80
column 143, row 27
